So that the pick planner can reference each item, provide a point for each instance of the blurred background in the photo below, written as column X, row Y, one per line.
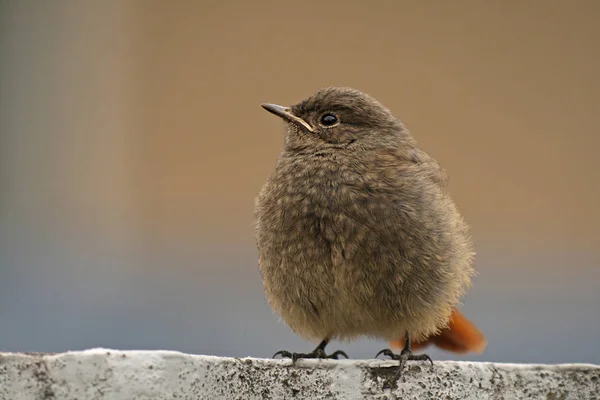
column 132, row 145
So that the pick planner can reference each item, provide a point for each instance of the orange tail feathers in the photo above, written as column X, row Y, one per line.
column 461, row 336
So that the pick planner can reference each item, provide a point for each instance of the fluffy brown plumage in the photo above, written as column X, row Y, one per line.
column 356, row 231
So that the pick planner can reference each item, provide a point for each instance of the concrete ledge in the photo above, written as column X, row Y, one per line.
column 116, row 375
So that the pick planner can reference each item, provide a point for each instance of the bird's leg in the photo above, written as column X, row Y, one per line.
column 405, row 355
column 318, row 352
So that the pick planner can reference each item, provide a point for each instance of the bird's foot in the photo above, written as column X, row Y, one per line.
column 404, row 356
column 316, row 353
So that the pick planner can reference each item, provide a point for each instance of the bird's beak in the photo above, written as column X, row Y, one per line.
column 286, row 114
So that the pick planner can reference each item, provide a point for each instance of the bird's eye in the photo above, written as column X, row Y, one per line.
column 329, row 120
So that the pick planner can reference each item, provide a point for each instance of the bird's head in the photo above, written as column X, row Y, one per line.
column 338, row 117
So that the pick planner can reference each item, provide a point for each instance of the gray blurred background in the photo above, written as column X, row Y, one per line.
column 132, row 145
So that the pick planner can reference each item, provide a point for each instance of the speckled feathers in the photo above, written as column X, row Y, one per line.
column 356, row 231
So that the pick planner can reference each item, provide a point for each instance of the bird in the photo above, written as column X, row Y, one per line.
column 358, row 235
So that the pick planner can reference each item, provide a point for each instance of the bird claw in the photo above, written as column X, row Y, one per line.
column 387, row 352
column 404, row 356
column 283, row 354
column 337, row 353
column 317, row 353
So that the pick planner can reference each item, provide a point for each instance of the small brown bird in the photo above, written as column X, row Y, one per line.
column 357, row 234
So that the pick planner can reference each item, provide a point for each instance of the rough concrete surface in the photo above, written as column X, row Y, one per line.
column 111, row 374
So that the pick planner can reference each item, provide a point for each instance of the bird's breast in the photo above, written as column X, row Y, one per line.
column 324, row 203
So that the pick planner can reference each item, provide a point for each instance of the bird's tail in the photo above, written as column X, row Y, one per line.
column 461, row 336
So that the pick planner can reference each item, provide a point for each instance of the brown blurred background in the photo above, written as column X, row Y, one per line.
column 132, row 145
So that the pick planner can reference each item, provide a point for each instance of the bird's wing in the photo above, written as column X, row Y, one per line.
column 436, row 172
